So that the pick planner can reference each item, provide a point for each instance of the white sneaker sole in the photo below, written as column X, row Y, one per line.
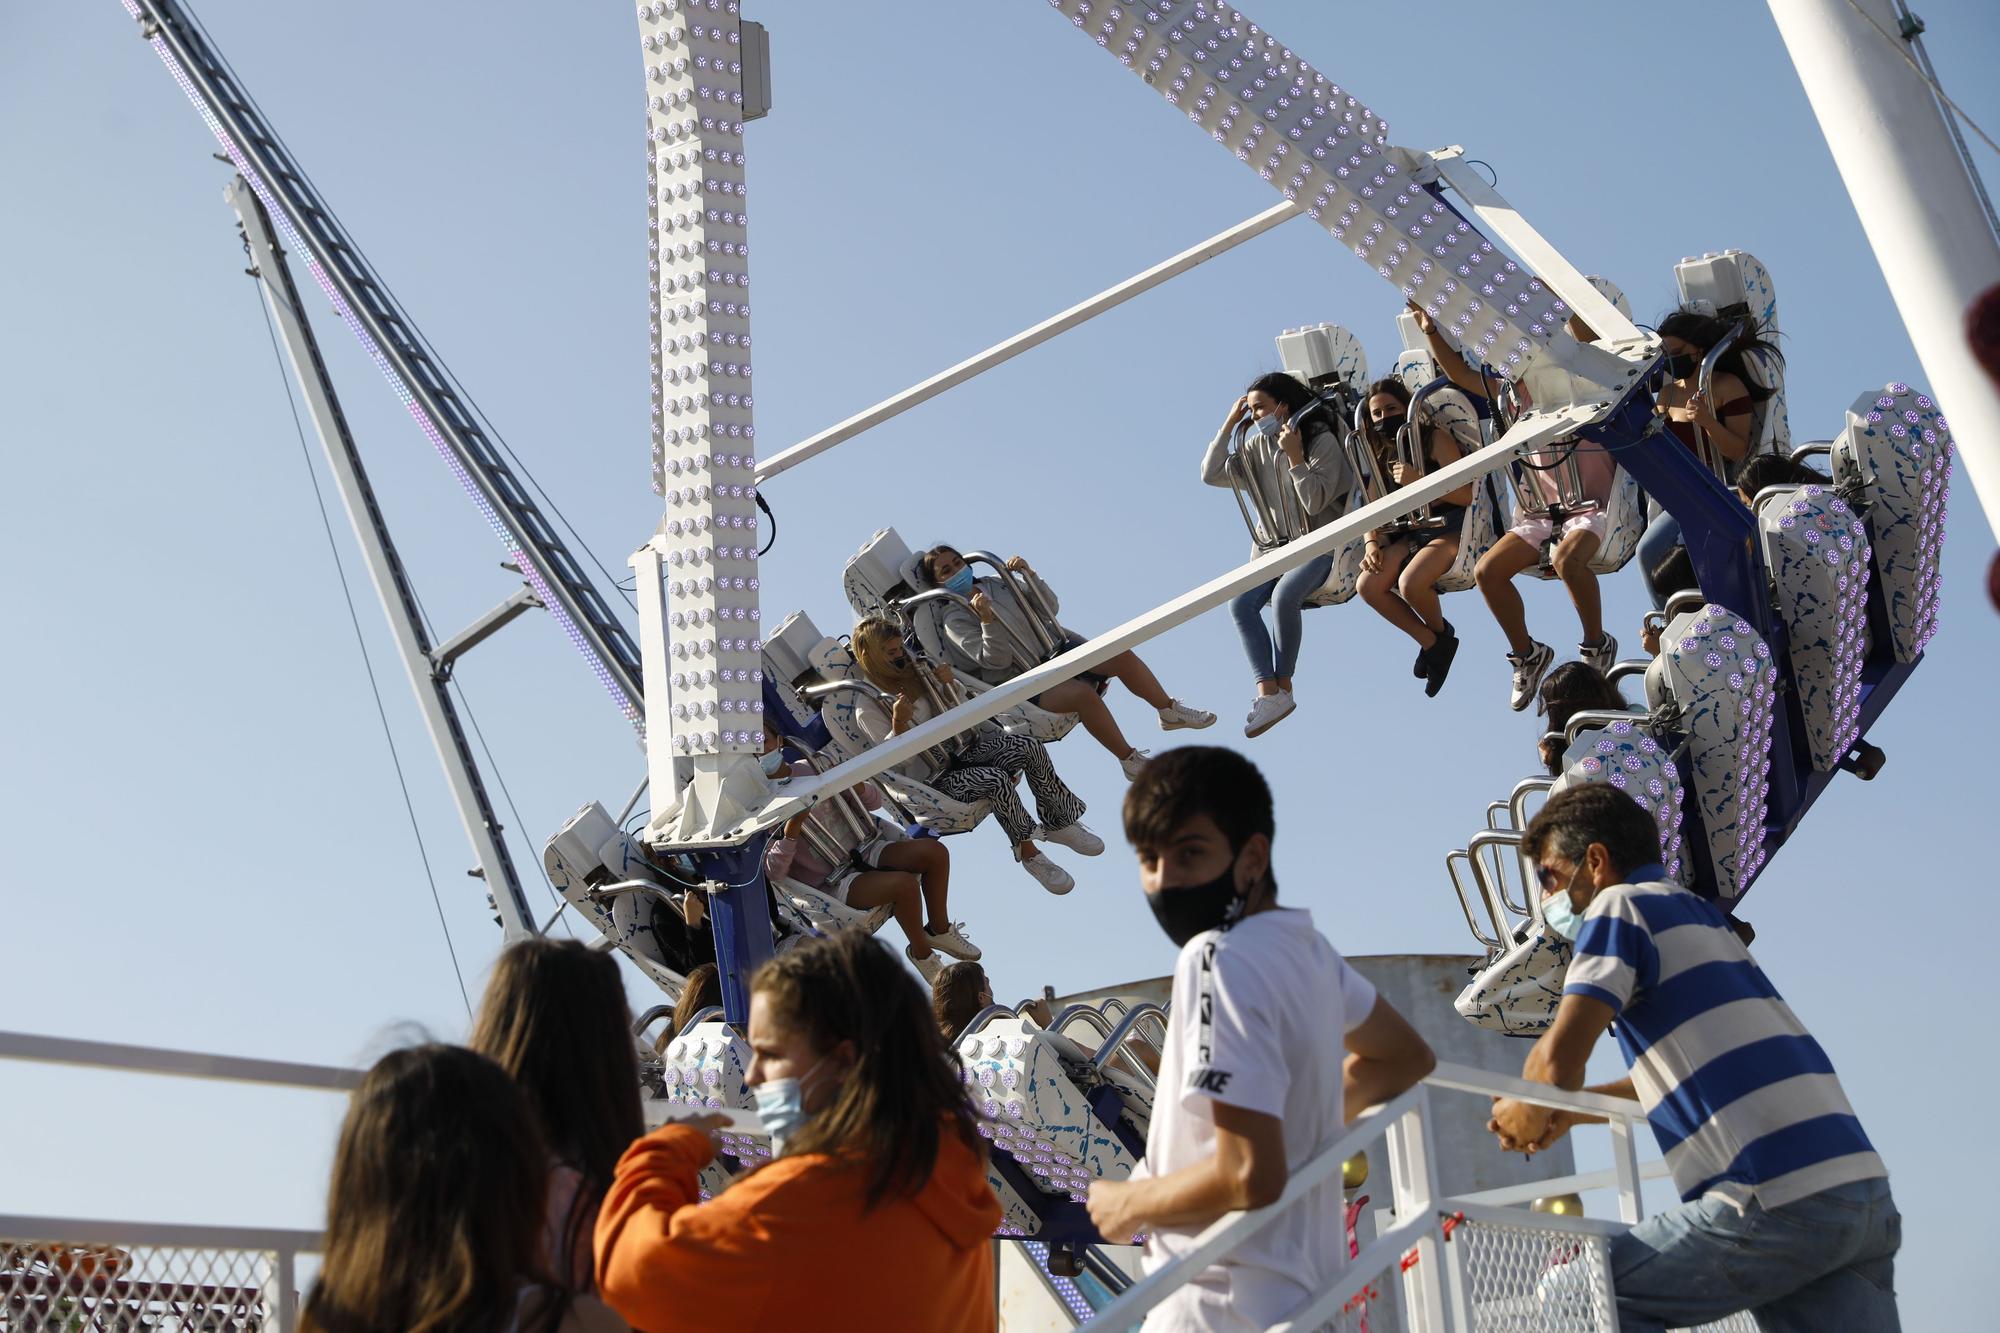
column 1188, row 726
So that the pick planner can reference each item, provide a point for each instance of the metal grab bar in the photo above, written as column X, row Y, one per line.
column 1275, row 521
column 1570, row 498
column 939, row 755
column 1497, row 892
column 1631, row 666
column 848, row 802
column 1073, row 1013
column 1497, row 939
column 1517, row 800
column 1705, row 448
column 1599, row 718
column 1689, row 599
column 650, row 1017
column 1041, row 620
column 1126, row 1031
column 697, row 1018
column 947, row 595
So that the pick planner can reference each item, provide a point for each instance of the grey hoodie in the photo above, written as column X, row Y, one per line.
column 988, row 651
column 1323, row 484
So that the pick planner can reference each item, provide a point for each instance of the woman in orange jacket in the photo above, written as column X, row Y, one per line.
column 875, row 1213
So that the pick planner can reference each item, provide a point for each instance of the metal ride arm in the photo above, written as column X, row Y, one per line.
column 309, row 229
column 427, row 670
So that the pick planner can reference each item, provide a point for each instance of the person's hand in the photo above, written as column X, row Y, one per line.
column 1237, row 413
column 1038, row 1009
column 1423, row 318
column 1698, row 410
column 1110, row 1207
column 942, row 674
column 1293, row 443
column 795, row 825
column 1521, row 1127
column 1371, row 559
column 694, row 907
column 1683, row 411
column 709, row 1124
column 982, row 606
column 1649, row 638
column 1403, row 474
column 902, row 713
column 1018, row 564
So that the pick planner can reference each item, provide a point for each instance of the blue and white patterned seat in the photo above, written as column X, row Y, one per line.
column 1895, row 455
column 1817, row 552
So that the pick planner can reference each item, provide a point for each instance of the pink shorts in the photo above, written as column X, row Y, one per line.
column 1537, row 529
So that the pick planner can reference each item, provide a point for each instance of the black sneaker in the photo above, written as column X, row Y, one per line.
column 1437, row 664
column 1423, row 663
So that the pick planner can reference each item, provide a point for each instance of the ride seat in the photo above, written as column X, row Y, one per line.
column 1817, row 552
column 1717, row 676
column 1894, row 460
column 1734, row 284
column 926, row 805
column 926, row 621
column 590, row 851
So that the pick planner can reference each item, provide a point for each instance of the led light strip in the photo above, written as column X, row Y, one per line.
column 282, row 221
column 1318, row 144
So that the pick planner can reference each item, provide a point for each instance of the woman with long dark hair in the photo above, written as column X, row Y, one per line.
column 1293, row 443
column 1725, row 415
column 875, row 1211
column 434, row 1212
column 554, row 1017
column 1399, row 574
column 985, row 768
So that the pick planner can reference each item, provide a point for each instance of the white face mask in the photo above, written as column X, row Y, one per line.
column 774, row 763
column 1557, row 913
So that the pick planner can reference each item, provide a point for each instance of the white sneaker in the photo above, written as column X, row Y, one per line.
column 1076, row 837
column 1268, row 711
column 1177, row 715
column 1603, row 654
column 1052, row 876
column 929, row 965
column 1528, row 673
column 952, row 940
column 1135, row 761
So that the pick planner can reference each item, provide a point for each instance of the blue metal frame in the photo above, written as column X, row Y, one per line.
column 740, row 917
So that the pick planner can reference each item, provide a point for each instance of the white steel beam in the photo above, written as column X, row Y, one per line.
column 1062, row 322
column 1924, row 219
column 385, row 569
column 122, row 1058
column 1529, row 433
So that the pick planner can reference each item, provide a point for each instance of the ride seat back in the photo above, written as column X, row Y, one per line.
column 1734, row 284
column 702, row 1070
column 1718, row 673
column 873, row 579
column 591, row 850
column 1817, row 552
column 925, row 804
column 1627, row 756
column 1322, row 354
column 1896, row 456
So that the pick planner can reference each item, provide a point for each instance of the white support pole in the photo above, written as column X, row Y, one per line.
column 1625, row 1161
column 1916, row 203
column 1063, row 322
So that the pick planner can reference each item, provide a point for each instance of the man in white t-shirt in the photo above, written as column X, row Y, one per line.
column 1272, row 1040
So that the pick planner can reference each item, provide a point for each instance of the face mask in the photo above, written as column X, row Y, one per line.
column 1559, row 916
column 1266, row 427
column 960, row 583
column 1388, row 426
column 1186, row 911
column 774, row 762
column 781, row 1107
column 1682, row 366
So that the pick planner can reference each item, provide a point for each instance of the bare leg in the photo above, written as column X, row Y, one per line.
column 1572, row 562
column 1136, row 676
column 1418, row 585
column 1495, row 576
column 930, row 861
column 1378, row 588
column 1074, row 696
column 872, row 888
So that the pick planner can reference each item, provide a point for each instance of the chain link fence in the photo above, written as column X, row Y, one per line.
column 61, row 1287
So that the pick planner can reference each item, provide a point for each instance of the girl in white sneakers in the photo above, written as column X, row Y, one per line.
column 985, row 768
column 988, row 642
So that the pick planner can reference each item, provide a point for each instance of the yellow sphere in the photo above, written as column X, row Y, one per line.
column 1561, row 1205
column 1354, row 1172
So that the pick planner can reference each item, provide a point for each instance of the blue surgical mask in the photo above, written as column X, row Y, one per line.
column 961, row 582
column 774, row 763
column 781, row 1108
column 1558, row 915
column 1266, row 427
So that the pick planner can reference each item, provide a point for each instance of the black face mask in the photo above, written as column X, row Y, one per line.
column 1682, row 366
column 1388, row 426
column 1189, row 909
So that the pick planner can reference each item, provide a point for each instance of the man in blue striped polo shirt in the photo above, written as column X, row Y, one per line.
column 1786, row 1209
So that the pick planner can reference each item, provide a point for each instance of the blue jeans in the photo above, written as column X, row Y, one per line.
column 1824, row 1262
column 1662, row 535
column 1287, row 595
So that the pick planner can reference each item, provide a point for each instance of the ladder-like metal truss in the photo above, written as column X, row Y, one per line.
column 398, row 349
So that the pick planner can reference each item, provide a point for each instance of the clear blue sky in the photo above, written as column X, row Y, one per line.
column 204, row 843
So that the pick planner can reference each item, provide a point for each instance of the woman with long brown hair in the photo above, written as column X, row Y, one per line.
column 877, row 1164
column 987, row 765
column 554, row 1017
column 434, row 1213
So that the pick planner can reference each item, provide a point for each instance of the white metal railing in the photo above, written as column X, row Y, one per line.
column 59, row 1274
column 1467, row 1263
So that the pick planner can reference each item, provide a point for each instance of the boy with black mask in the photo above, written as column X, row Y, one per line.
column 1263, row 1009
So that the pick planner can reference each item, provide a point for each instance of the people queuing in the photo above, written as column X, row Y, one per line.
column 992, row 638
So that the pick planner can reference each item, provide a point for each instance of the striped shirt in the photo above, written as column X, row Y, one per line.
column 1744, row 1102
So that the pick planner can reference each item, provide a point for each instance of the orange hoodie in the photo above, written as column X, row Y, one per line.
column 791, row 1247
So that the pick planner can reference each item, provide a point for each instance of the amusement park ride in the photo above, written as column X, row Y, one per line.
column 1816, row 602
